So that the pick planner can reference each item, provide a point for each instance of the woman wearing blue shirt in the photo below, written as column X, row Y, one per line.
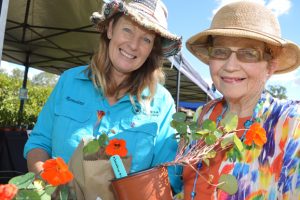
column 123, row 80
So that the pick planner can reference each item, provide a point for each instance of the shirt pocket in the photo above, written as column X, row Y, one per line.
column 73, row 112
column 71, row 124
column 140, row 137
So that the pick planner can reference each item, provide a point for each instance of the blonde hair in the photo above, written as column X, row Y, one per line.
column 147, row 76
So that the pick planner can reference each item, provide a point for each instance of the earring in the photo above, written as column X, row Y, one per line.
column 213, row 88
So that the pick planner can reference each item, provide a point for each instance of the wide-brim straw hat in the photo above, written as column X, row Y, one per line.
column 247, row 20
column 150, row 14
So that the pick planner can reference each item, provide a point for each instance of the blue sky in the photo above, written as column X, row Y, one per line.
column 187, row 19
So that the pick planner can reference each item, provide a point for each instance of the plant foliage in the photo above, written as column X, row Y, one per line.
column 10, row 102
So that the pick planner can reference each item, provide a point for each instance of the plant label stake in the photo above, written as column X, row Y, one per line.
column 118, row 166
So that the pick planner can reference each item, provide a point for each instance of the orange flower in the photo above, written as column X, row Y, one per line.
column 256, row 134
column 56, row 172
column 116, row 147
column 8, row 191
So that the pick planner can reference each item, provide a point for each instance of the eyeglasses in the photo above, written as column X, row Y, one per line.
column 247, row 55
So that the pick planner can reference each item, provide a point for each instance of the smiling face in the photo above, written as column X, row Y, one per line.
column 129, row 46
column 238, row 80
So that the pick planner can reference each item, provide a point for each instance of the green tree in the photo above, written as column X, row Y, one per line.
column 45, row 79
column 17, row 74
column 10, row 102
column 2, row 71
column 277, row 91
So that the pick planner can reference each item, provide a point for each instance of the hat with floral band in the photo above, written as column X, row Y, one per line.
column 247, row 20
column 150, row 14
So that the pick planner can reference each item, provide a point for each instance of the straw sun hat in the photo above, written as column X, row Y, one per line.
column 150, row 14
column 249, row 20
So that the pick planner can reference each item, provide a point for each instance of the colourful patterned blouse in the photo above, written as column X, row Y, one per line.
column 271, row 172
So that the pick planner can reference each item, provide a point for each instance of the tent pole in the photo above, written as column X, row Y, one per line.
column 3, row 16
column 24, row 85
column 26, row 64
column 178, row 89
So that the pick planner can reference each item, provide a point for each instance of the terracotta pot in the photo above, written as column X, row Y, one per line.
column 151, row 184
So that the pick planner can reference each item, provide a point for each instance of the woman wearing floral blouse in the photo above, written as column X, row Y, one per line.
column 243, row 48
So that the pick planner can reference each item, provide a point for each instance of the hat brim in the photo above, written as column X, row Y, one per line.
column 171, row 43
column 288, row 58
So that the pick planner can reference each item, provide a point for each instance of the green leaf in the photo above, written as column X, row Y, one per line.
column 227, row 140
column 27, row 194
column 203, row 132
column 234, row 154
column 92, row 147
column 228, row 184
column 44, row 195
column 173, row 123
column 64, row 193
column 229, row 122
column 218, row 133
column 209, row 125
column 179, row 116
column 31, row 186
column 238, row 143
column 181, row 127
column 196, row 136
column 210, row 139
column 49, row 189
column 206, row 161
column 23, row 181
column 211, row 154
column 230, row 154
column 103, row 140
column 193, row 127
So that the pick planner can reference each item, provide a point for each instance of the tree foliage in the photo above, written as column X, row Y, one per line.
column 10, row 102
column 277, row 91
column 17, row 74
column 45, row 79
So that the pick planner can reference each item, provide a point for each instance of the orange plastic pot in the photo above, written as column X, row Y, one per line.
column 151, row 184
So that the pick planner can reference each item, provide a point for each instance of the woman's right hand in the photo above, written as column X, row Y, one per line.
column 36, row 159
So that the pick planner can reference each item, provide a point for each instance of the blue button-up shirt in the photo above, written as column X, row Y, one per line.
column 70, row 114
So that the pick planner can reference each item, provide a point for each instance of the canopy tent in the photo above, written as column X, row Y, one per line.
column 56, row 35
column 50, row 35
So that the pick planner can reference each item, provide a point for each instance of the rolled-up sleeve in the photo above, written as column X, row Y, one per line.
column 40, row 136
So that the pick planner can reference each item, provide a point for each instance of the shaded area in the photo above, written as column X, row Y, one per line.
column 12, row 163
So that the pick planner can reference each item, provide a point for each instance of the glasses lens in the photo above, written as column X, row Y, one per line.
column 248, row 55
column 219, row 52
column 245, row 55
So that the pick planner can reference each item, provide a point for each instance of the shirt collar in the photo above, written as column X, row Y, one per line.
column 82, row 74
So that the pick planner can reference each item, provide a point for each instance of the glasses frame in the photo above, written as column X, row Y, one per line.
column 263, row 56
